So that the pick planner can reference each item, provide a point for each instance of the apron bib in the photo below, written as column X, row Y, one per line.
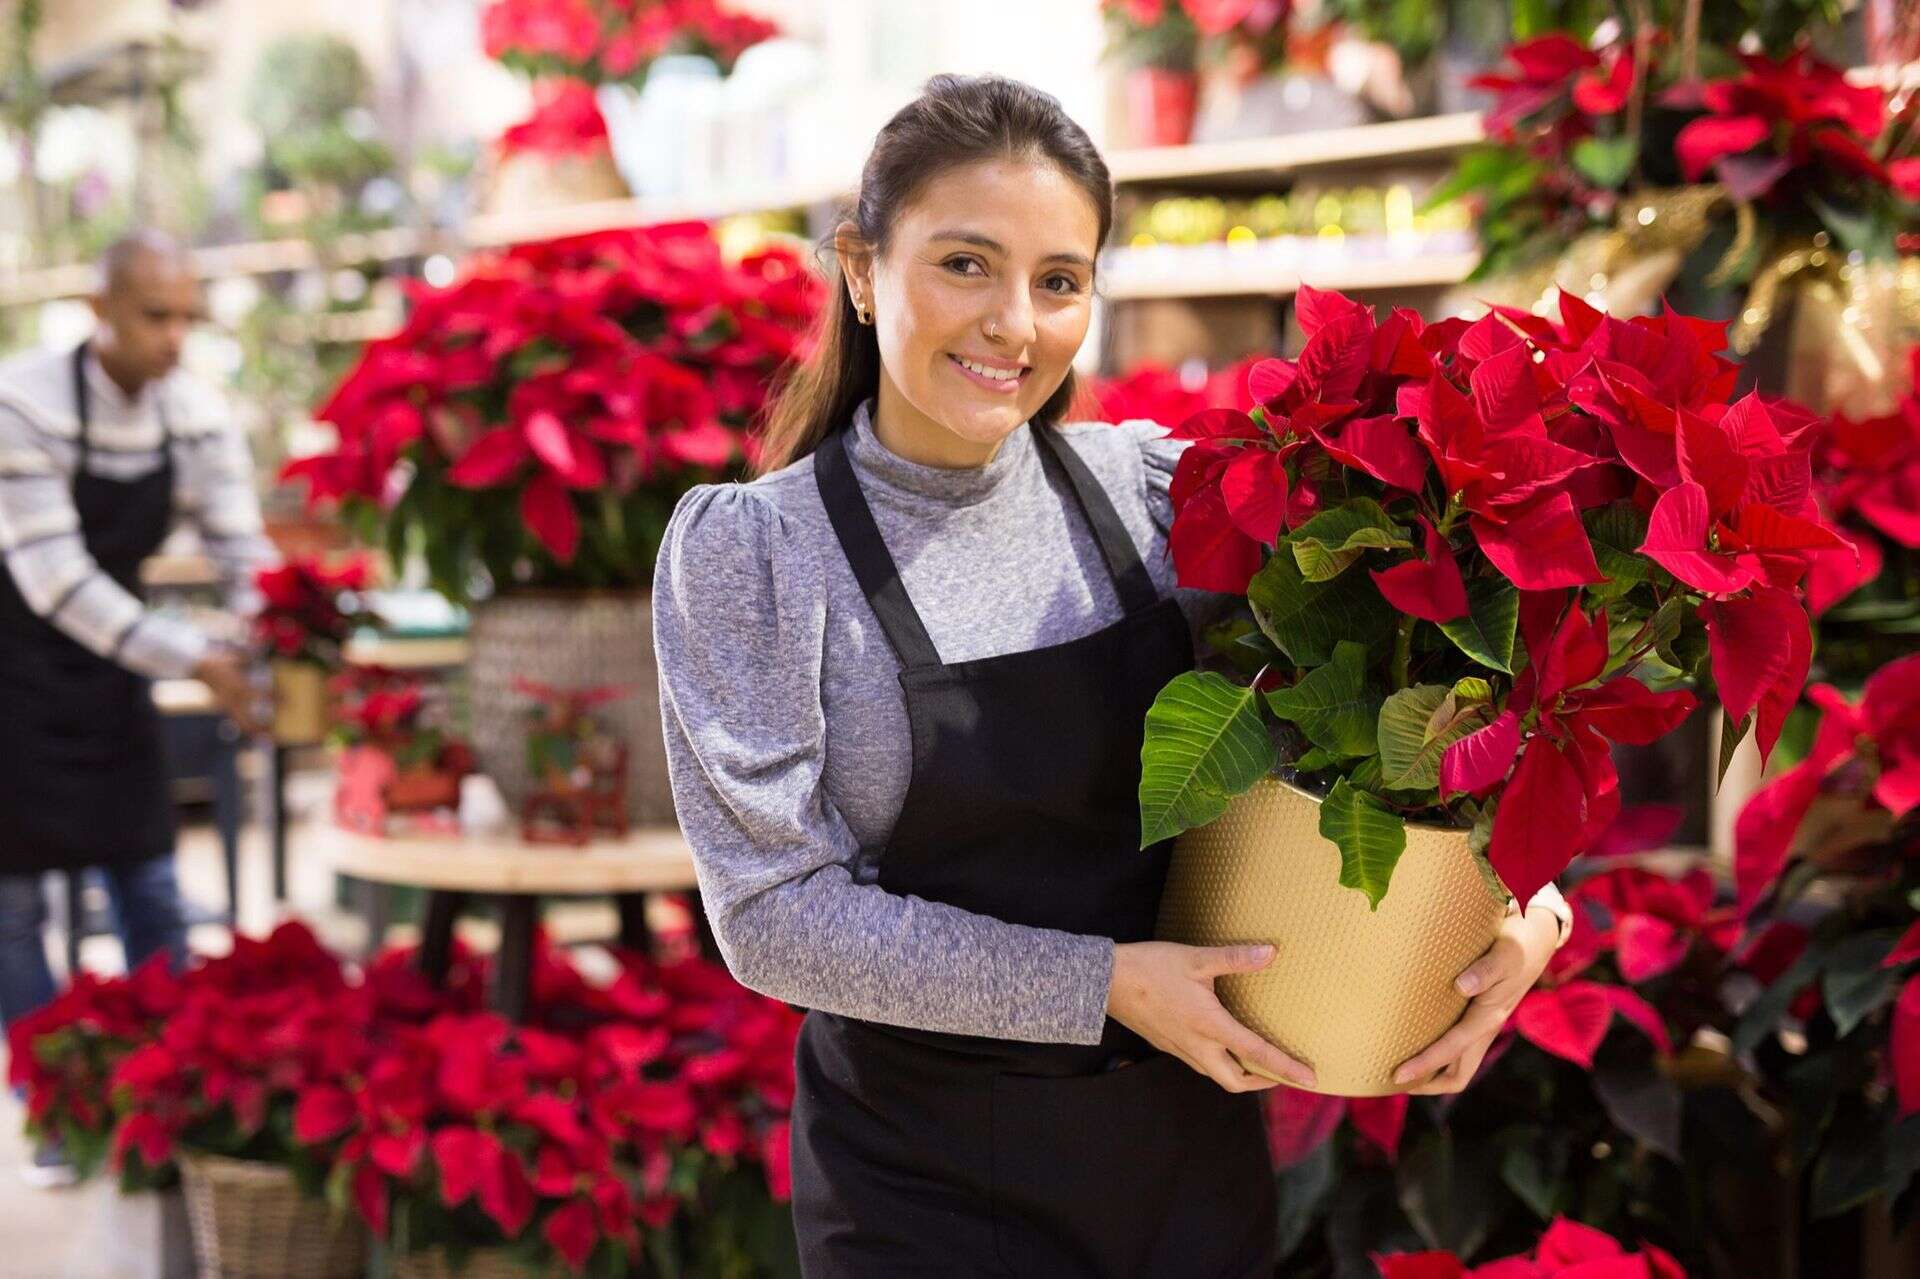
column 921, row 1153
column 83, row 778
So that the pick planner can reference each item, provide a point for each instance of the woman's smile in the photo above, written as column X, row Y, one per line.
column 996, row 376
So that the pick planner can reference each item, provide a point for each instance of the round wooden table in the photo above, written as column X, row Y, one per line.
column 455, row 869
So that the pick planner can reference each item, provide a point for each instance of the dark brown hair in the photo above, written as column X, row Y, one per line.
column 956, row 120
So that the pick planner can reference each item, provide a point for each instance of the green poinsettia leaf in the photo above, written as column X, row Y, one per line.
column 1606, row 162
column 1313, row 759
column 1416, row 726
column 1630, row 636
column 1731, row 735
column 1369, row 835
column 1333, row 705
column 1326, row 545
column 1616, row 531
column 1306, row 620
column 1473, row 689
column 1486, row 633
column 1205, row 743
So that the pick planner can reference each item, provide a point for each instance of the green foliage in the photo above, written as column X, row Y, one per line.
column 1205, row 744
column 1369, row 835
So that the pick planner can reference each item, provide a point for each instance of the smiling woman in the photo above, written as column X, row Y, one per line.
column 904, row 675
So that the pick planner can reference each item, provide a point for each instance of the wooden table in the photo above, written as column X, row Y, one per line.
column 457, row 868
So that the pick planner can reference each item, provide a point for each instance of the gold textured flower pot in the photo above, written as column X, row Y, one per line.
column 299, row 703
column 1352, row 992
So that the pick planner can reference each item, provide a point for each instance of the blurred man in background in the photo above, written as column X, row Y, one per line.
column 102, row 448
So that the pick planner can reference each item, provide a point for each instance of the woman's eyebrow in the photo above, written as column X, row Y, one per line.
column 988, row 242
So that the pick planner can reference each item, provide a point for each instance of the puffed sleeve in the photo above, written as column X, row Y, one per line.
column 740, row 612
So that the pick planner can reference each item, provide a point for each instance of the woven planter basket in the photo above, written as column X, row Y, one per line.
column 569, row 639
column 1352, row 992
column 250, row 1221
column 484, row 1263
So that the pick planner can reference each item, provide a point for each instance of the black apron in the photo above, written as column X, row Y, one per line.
column 919, row 1153
column 83, row 778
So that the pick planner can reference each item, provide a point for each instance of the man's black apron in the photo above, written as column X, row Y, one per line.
column 82, row 773
column 917, row 1153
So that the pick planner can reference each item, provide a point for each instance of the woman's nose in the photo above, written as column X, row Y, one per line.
column 1010, row 321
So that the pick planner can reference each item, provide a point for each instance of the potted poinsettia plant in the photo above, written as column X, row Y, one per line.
column 1473, row 557
column 1694, row 152
column 308, row 611
column 1827, row 864
column 1867, row 594
column 527, row 433
column 396, row 759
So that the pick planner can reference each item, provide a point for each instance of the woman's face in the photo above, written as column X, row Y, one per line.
column 1001, row 245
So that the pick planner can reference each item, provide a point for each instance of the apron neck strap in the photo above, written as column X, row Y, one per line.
column 82, row 404
column 83, row 411
column 879, row 576
column 867, row 552
column 1130, row 577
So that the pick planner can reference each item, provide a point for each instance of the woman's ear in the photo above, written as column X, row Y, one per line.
column 856, row 262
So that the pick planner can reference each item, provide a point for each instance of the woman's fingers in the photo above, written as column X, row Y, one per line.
column 1217, row 961
column 1480, row 1021
column 1255, row 1051
column 1501, row 962
column 1225, row 1071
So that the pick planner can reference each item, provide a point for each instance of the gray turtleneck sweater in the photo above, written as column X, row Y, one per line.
column 787, row 737
column 786, row 729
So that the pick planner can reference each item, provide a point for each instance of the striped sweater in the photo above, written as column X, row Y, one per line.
column 40, row 532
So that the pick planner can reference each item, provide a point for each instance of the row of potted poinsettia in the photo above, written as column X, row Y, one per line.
column 639, row 1123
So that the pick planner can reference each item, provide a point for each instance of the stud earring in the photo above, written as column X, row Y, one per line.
column 865, row 316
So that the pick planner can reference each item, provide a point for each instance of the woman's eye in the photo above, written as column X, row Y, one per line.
column 1072, row 285
column 952, row 263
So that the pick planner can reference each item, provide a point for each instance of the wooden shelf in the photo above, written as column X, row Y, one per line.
column 603, row 215
column 1256, row 161
column 1227, row 278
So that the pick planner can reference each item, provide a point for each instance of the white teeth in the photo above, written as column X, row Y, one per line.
column 998, row 375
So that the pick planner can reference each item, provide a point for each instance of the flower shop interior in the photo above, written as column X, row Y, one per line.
column 1546, row 370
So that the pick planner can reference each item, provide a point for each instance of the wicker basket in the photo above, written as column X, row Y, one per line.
column 484, row 1263
column 1352, row 992
column 250, row 1221
column 569, row 639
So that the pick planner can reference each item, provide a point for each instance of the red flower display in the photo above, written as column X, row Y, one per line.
column 1867, row 478
column 617, row 1110
column 1567, row 1248
column 565, row 121
column 1550, row 515
column 601, row 40
column 539, row 417
column 308, row 610
column 1779, row 121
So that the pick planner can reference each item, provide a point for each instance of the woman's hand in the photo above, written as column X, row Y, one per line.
column 1496, row 980
column 1163, row 992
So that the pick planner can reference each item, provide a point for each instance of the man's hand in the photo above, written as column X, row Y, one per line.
column 224, row 672
column 1496, row 980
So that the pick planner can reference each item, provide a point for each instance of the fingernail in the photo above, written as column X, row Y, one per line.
column 1402, row 1075
column 1263, row 952
column 1468, row 983
column 1305, row 1078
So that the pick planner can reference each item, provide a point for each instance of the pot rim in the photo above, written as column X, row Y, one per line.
column 1317, row 800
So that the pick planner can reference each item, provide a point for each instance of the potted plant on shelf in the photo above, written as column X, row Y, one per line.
column 580, row 766
column 307, row 614
column 1469, row 553
column 1157, row 44
column 528, row 432
column 395, row 763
